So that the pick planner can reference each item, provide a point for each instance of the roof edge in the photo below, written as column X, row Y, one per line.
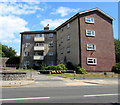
column 80, row 13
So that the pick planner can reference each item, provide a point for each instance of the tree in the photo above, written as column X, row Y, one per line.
column 117, row 50
column 6, row 51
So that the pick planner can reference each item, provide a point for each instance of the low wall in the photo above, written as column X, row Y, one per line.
column 12, row 75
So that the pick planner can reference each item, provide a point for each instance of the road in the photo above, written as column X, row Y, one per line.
column 70, row 94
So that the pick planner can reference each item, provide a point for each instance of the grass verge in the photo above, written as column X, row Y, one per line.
column 88, row 75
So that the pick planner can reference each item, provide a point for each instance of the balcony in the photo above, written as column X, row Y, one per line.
column 39, row 39
column 38, row 48
column 38, row 57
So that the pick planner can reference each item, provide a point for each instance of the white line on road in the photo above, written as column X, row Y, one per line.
column 30, row 98
column 101, row 95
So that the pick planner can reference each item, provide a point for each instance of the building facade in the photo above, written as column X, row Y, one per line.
column 85, row 39
column 38, row 47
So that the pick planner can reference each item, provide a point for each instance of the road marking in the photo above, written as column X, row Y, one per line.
column 101, row 95
column 30, row 98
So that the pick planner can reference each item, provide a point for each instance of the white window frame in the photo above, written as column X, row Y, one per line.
column 27, row 45
column 89, row 20
column 26, row 63
column 68, row 37
column 62, row 40
column 27, row 36
column 62, row 29
column 26, row 53
column 61, row 51
column 39, row 44
column 93, row 60
column 91, row 47
column 51, row 35
column 51, row 44
column 68, row 50
column 51, row 53
column 68, row 25
column 92, row 32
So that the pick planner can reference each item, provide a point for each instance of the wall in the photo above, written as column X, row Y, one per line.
column 73, row 43
column 105, row 52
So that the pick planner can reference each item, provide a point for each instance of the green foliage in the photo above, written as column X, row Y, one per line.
column 80, row 70
column 70, row 66
column 54, row 67
column 51, row 67
column 116, row 68
column 117, row 50
column 6, row 51
column 61, row 67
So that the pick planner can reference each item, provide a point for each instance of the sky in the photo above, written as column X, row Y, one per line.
column 16, row 17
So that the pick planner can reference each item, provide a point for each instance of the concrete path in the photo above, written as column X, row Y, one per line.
column 46, row 80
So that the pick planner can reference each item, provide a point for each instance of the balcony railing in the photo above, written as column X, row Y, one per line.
column 38, row 57
column 38, row 48
column 36, row 39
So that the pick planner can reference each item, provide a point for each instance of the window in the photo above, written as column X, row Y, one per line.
column 50, row 35
column 68, row 37
column 61, row 52
column 61, row 29
column 91, row 47
column 68, row 50
column 51, row 62
column 61, row 40
column 90, row 33
column 89, row 20
column 62, row 62
column 27, row 36
column 39, row 53
column 91, row 61
column 39, row 35
column 68, row 25
column 26, row 54
column 26, row 63
column 39, row 44
column 51, row 44
column 50, row 53
column 27, row 45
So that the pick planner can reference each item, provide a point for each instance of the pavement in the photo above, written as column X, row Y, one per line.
column 46, row 80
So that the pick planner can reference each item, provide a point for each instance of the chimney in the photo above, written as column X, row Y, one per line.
column 46, row 27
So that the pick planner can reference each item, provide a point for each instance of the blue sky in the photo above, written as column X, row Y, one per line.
column 16, row 17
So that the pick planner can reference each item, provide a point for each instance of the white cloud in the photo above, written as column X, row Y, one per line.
column 14, row 8
column 27, row 1
column 15, row 40
column 10, row 26
column 63, row 11
column 53, row 23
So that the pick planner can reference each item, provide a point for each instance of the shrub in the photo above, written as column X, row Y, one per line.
column 116, row 68
column 61, row 67
column 80, row 70
column 70, row 66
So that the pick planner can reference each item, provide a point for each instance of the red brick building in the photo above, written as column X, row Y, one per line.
column 91, row 42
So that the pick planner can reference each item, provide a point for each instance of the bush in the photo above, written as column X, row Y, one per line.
column 61, row 67
column 70, row 66
column 116, row 68
column 51, row 67
column 80, row 70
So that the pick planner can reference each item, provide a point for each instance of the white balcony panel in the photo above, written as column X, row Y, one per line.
column 38, row 48
column 37, row 57
column 39, row 39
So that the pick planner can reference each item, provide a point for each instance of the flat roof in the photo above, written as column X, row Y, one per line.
column 38, row 32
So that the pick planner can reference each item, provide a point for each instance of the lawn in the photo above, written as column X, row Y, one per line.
column 89, row 74
column 7, row 67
